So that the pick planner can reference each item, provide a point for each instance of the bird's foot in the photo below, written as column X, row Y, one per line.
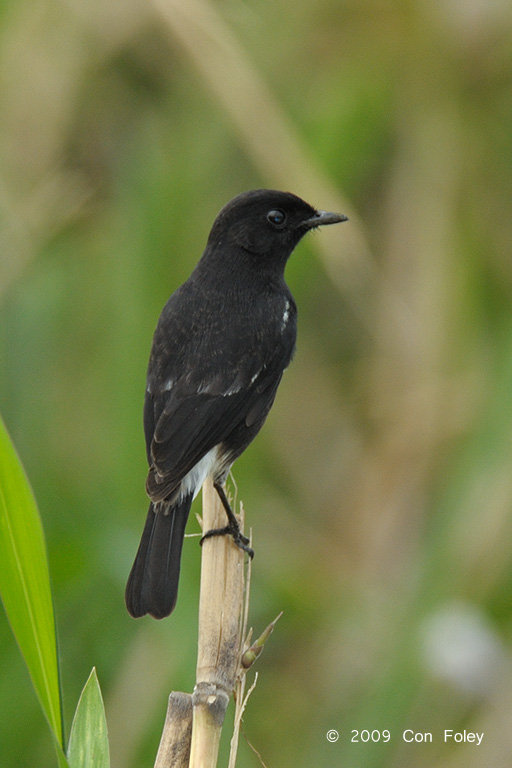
column 241, row 541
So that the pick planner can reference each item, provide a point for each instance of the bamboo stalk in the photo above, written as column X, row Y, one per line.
column 193, row 725
column 174, row 749
column 219, row 639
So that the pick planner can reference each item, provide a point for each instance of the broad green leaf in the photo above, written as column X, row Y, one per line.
column 88, row 741
column 25, row 582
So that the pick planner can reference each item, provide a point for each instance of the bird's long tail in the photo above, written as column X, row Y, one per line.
column 153, row 581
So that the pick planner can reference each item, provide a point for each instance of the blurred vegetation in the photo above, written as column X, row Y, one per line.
column 380, row 490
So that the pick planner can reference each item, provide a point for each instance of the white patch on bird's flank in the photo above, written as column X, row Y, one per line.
column 206, row 388
column 286, row 315
column 169, row 384
column 194, row 479
column 234, row 388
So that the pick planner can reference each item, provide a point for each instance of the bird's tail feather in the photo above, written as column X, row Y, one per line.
column 153, row 582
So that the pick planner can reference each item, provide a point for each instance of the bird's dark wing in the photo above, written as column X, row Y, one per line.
column 189, row 426
column 199, row 397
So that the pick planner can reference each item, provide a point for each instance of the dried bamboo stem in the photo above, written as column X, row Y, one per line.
column 219, row 641
column 174, row 749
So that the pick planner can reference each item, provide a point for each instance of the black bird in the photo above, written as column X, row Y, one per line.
column 220, row 348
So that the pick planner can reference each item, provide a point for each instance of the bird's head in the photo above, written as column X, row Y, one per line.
column 267, row 223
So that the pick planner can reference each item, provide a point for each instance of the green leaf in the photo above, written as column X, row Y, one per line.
column 88, row 742
column 25, row 582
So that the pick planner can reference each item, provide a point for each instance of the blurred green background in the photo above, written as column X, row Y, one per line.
column 380, row 490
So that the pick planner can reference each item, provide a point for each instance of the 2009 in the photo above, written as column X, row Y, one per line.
column 366, row 736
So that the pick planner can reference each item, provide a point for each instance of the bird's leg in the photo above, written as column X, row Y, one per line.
column 232, row 528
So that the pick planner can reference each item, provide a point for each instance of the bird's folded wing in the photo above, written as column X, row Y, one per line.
column 185, row 427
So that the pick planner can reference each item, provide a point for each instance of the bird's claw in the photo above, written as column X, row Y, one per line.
column 241, row 541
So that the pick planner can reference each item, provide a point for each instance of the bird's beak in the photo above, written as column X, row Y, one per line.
column 324, row 217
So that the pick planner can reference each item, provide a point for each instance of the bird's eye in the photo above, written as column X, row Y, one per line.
column 277, row 218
